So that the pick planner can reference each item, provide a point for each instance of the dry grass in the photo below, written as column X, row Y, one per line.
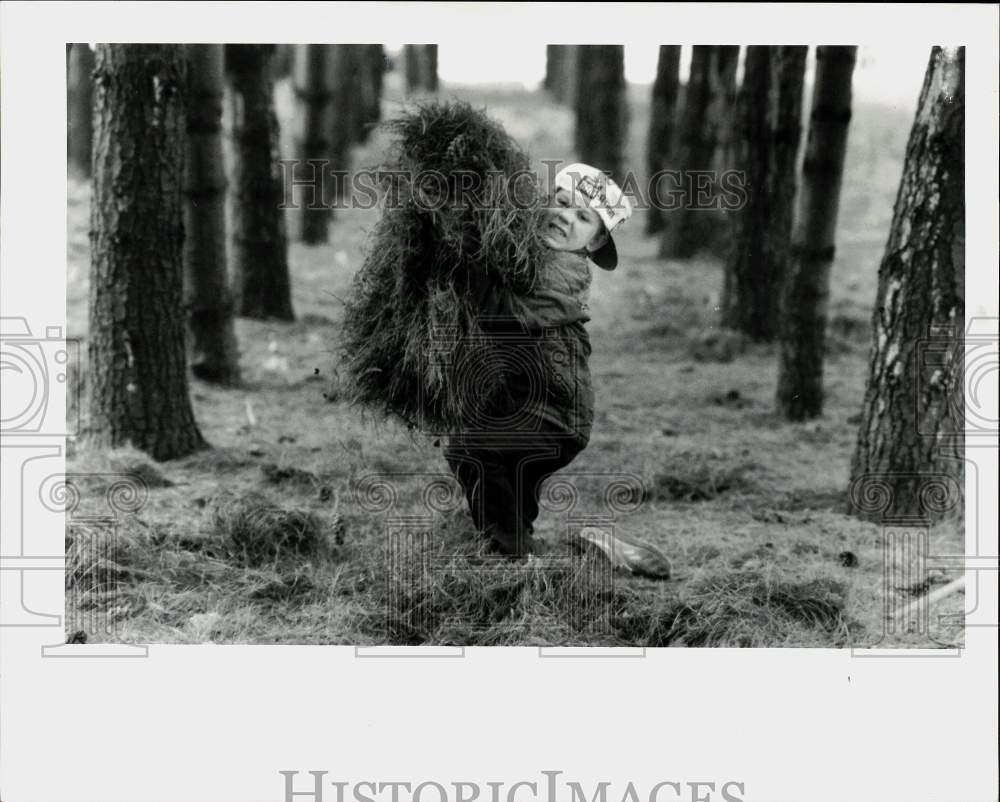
column 748, row 508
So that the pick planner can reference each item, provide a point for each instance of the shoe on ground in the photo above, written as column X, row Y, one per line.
column 622, row 552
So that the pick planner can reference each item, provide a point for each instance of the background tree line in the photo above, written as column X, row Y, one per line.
column 779, row 248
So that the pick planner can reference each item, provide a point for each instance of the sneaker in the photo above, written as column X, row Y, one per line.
column 623, row 553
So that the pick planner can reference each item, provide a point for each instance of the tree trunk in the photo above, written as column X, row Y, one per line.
column 553, row 67
column 721, row 108
column 208, row 307
column 311, row 75
column 768, row 119
column 601, row 107
column 431, row 67
column 371, row 69
column 687, row 229
column 807, row 286
column 908, row 460
column 560, row 73
column 137, row 370
column 420, row 64
column 346, row 114
column 662, row 123
column 261, row 282
column 281, row 61
column 80, row 108
column 566, row 88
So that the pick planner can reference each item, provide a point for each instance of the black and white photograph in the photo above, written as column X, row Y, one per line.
column 376, row 355
column 461, row 332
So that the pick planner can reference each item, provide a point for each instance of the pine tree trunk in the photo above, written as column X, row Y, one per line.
column 431, row 68
column 568, row 78
column 282, row 59
column 601, row 107
column 420, row 65
column 311, row 76
column 371, row 70
column 553, row 68
column 80, row 108
column 688, row 229
column 560, row 73
column 346, row 115
column 208, row 307
column 908, row 460
column 411, row 68
column 768, row 119
column 721, row 108
column 138, row 390
column 662, row 123
column 259, row 244
column 807, row 287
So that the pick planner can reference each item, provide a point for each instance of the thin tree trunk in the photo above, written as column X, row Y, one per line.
column 565, row 92
column 420, row 65
column 371, row 70
column 721, row 109
column 282, row 60
column 411, row 68
column 208, row 307
column 311, row 75
column 662, row 123
column 601, row 107
column 347, row 114
column 261, row 282
column 560, row 73
column 807, row 287
column 768, row 119
column 553, row 67
column 687, row 229
column 908, row 459
column 80, row 107
column 431, row 68
column 138, row 390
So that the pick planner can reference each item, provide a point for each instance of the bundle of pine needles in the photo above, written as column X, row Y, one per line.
column 460, row 204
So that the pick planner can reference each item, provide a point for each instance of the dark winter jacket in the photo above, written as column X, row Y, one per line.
column 546, row 331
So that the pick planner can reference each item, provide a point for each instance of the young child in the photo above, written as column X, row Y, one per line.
column 501, row 460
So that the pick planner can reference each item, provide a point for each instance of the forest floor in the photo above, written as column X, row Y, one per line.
column 749, row 508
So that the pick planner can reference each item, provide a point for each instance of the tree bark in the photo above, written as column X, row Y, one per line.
column 768, row 119
column 80, row 107
column 568, row 78
column 662, row 123
column 431, row 62
column 601, row 107
column 208, row 306
column 346, row 115
column 721, row 108
column 807, row 287
column 371, row 70
column 908, row 459
column 311, row 76
column 138, row 390
column 553, row 67
column 259, row 244
column 706, row 102
column 560, row 73
column 420, row 65
column 281, row 61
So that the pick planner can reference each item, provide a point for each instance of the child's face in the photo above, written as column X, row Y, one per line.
column 570, row 224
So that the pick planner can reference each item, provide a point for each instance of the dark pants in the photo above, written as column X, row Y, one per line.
column 502, row 479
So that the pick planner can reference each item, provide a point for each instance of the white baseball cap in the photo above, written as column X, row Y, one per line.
column 605, row 197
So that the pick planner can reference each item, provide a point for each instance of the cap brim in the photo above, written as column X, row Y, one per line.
column 606, row 256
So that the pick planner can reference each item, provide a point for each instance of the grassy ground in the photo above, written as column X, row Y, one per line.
column 262, row 540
